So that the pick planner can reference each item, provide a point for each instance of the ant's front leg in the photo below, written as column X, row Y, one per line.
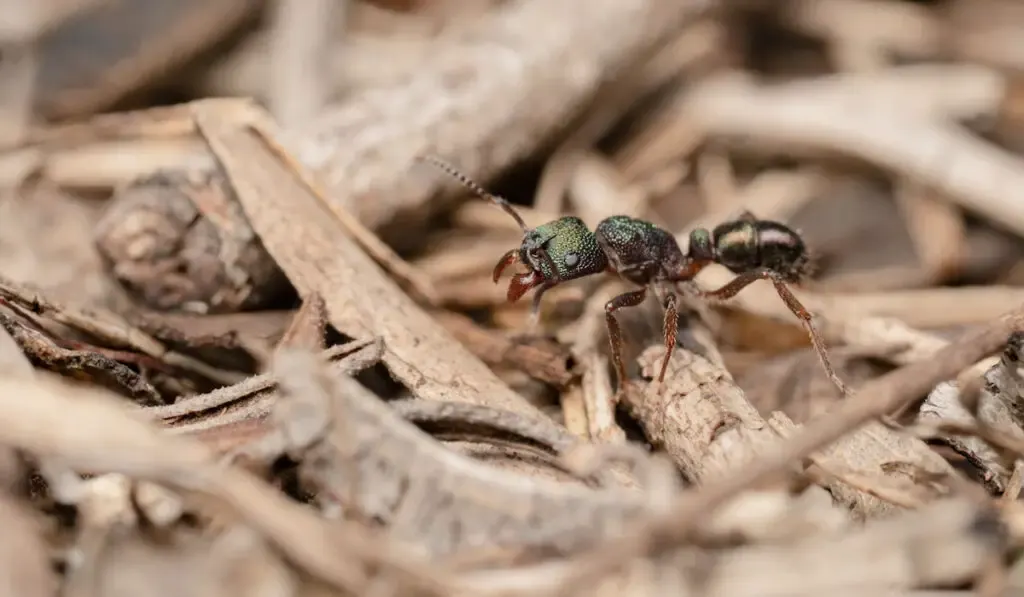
column 795, row 306
column 671, row 331
column 534, row 325
column 628, row 299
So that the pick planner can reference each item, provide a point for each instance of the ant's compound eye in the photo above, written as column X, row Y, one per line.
column 571, row 259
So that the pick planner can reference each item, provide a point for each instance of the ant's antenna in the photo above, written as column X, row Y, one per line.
column 476, row 188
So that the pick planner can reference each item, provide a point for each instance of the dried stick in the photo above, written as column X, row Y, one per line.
column 111, row 328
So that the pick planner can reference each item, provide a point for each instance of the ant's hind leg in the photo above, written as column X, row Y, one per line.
column 628, row 299
column 671, row 331
column 795, row 306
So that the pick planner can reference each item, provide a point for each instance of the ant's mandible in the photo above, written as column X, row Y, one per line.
column 644, row 254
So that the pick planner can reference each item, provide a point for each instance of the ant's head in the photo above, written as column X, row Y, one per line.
column 748, row 243
column 558, row 251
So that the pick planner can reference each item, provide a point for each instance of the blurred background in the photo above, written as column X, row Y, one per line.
column 888, row 132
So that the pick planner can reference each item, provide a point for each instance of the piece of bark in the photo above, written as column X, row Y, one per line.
column 319, row 257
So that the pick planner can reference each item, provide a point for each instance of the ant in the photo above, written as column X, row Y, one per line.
column 646, row 255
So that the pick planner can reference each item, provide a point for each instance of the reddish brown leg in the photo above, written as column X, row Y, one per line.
column 628, row 299
column 671, row 330
column 743, row 280
column 535, row 307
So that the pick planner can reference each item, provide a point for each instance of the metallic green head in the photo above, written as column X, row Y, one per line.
column 556, row 252
column 571, row 247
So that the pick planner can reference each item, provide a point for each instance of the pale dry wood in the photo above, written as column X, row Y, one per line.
column 937, row 229
column 24, row 20
column 18, row 72
column 110, row 327
column 888, row 27
column 596, row 383
column 379, row 47
column 984, row 31
column 874, row 560
column 875, row 399
column 300, row 37
column 364, row 457
column 676, row 129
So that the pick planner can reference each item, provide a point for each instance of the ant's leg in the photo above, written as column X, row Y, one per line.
column 671, row 330
column 743, row 280
column 534, row 324
column 628, row 299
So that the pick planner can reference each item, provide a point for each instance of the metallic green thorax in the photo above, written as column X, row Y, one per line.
column 571, row 246
column 638, row 249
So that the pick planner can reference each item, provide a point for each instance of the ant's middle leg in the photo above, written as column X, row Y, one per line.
column 628, row 299
column 671, row 331
column 795, row 306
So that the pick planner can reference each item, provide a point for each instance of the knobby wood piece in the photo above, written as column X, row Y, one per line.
column 705, row 423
